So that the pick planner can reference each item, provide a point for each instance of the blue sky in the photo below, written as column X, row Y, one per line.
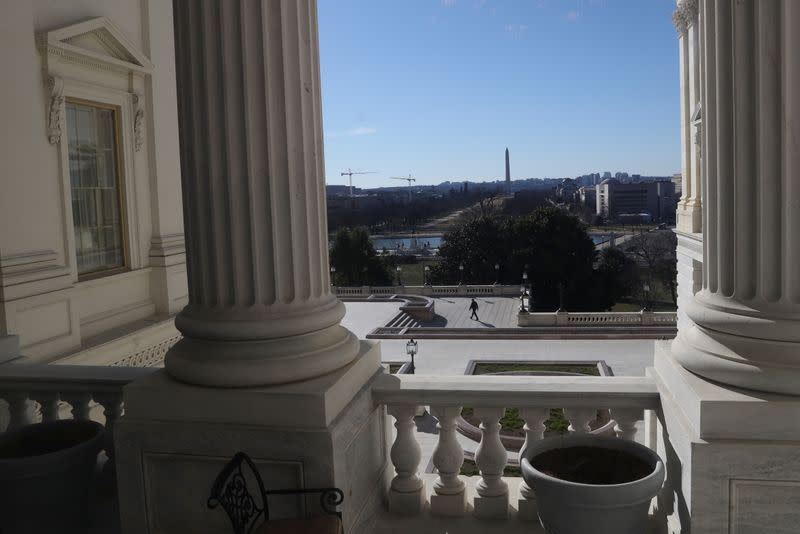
column 439, row 88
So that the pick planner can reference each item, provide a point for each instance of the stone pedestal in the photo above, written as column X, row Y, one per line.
column 491, row 507
column 449, row 505
column 528, row 509
column 406, row 503
column 732, row 457
column 174, row 439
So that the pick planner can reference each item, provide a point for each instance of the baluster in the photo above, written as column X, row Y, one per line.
column 626, row 419
column 450, row 497
column 580, row 418
column 407, row 492
column 18, row 409
column 528, row 509
column 80, row 404
column 491, row 457
column 112, row 409
column 48, row 404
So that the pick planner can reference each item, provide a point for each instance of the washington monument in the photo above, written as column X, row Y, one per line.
column 508, row 174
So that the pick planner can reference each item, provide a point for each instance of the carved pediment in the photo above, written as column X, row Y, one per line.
column 96, row 42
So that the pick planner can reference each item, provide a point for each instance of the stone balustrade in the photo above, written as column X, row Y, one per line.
column 641, row 318
column 629, row 399
column 34, row 393
column 465, row 290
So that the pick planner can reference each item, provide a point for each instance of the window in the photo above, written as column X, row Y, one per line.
column 94, row 173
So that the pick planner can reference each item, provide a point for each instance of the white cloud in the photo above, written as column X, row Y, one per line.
column 573, row 15
column 360, row 130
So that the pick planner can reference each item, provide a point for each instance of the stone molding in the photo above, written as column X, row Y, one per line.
column 55, row 113
column 138, row 121
column 122, row 54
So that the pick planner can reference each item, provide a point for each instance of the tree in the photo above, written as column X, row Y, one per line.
column 551, row 245
column 655, row 252
column 355, row 261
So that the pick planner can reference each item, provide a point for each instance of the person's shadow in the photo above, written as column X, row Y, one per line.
column 487, row 325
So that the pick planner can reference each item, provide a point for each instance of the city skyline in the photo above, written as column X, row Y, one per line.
column 444, row 86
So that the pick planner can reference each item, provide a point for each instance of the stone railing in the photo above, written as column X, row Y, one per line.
column 465, row 290
column 34, row 393
column 641, row 318
column 629, row 400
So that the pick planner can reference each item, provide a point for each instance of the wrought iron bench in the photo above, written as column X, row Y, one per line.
column 249, row 514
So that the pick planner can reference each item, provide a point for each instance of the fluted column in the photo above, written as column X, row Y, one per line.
column 260, row 306
column 686, row 23
column 747, row 315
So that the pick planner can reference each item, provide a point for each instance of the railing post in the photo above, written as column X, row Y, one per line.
column 18, row 409
column 112, row 410
column 626, row 419
column 490, row 457
column 407, row 490
column 528, row 509
column 48, row 404
column 450, row 498
column 580, row 418
column 80, row 404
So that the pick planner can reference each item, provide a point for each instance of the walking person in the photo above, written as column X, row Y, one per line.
column 473, row 306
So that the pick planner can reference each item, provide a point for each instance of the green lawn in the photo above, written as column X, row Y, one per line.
column 511, row 422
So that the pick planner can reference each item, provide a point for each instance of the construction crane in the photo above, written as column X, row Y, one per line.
column 409, row 180
column 350, row 173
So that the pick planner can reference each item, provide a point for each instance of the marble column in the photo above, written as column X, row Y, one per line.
column 260, row 305
column 747, row 314
column 686, row 20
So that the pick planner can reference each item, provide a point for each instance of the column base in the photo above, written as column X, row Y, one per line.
column 261, row 362
column 731, row 454
column 449, row 505
column 174, row 438
column 752, row 363
column 491, row 507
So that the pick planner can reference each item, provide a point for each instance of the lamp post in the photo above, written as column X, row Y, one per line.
column 460, row 273
column 411, row 350
column 496, row 273
column 646, row 296
column 524, row 300
column 333, row 272
column 398, row 269
column 426, row 274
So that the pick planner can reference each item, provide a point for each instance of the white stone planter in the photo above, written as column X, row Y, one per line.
column 577, row 508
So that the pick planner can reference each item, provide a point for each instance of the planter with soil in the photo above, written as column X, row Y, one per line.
column 586, row 483
column 45, row 476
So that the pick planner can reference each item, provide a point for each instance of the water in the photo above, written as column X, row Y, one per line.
column 391, row 243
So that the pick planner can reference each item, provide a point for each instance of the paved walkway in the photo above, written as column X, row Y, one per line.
column 493, row 312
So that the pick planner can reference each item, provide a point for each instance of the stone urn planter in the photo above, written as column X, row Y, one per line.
column 593, row 484
column 46, row 475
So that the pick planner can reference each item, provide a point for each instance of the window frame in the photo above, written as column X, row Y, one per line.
column 119, row 160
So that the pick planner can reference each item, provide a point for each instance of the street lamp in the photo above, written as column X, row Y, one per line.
column 426, row 273
column 411, row 350
column 399, row 282
column 646, row 291
column 496, row 273
column 524, row 300
column 333, row 272
column 461, row 273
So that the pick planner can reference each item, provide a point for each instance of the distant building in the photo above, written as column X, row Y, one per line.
column 617, row 201
column 587, row 196
column 677, row 179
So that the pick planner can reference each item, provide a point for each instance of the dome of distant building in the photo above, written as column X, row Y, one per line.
column 610, row 181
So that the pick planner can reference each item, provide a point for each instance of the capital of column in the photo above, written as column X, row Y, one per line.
column 260, row 310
